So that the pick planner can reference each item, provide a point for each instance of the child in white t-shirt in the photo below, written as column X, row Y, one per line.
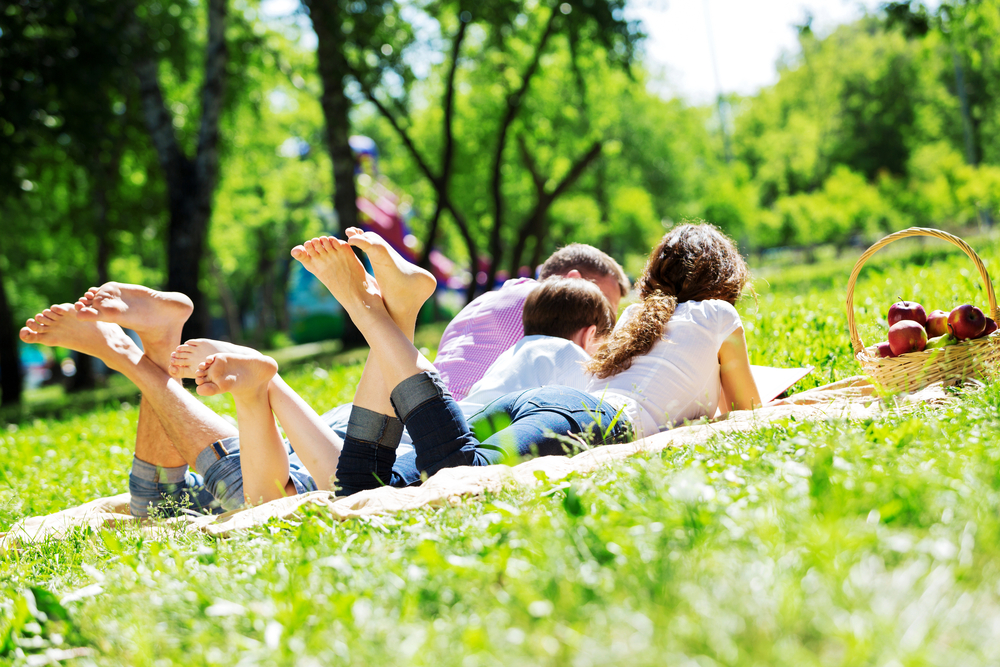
column 565, row 321
column 680, row 353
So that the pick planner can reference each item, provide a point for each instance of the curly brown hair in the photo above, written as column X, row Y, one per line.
column 692, row 262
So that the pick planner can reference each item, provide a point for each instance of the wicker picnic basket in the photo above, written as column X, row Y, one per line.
column 977, row 358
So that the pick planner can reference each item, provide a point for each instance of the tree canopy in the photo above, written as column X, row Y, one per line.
column 507, row 128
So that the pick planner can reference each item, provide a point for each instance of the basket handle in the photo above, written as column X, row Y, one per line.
column 906, row 233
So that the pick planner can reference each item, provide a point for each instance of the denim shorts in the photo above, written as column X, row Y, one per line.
column 223, row 476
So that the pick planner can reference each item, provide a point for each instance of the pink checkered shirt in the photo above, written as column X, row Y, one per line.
column 480, row 333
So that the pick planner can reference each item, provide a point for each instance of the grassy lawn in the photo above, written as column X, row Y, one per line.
column 829, row 543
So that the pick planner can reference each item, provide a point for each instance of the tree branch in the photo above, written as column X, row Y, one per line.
column 529, row 162
column 159, row 120
column 535, row 223
column 449, row 140
column 513, row 106
column 436, row 181
column 577, row 169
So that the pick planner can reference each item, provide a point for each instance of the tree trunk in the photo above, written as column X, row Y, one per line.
column 186, row 244
column 10, row 360
column 333, row 68
column 190, row 182
column 229, row 305
column 105, row 171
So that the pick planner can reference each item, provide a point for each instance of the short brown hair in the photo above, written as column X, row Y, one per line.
column 562, row 306
column 588, row 260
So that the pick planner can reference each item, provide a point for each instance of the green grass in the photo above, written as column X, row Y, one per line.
column 829, row 543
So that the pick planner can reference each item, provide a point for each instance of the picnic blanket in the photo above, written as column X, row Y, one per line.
column 850, row 399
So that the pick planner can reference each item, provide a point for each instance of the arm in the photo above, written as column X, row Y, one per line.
column 738, row 386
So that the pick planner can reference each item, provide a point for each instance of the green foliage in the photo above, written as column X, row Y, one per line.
column 795, row 543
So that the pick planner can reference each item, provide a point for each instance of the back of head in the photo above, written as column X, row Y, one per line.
column 562, row 306
column 588, row 260
column 692, row 262
column 695, row 262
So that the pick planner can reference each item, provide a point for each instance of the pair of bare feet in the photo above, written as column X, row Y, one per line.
column 399, row 287
column 93, row 325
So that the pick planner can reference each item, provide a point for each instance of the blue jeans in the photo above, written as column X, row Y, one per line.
column 535, row 422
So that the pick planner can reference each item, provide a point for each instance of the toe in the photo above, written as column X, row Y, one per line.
column 208, row 389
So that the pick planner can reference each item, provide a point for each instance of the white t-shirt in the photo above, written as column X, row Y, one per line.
column 534, row 361
column 678, row 379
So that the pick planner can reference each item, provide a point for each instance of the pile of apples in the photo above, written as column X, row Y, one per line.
column 911, row 329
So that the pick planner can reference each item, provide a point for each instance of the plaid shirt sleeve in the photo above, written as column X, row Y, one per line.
column 480, row 333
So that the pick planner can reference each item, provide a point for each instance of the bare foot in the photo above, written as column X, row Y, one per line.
column 61, row 326
column 237, row 374
column 185, row 359
column 154, row 315
column 404, row 285
column 333, row 261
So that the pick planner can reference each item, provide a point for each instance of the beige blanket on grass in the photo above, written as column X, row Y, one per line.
column 851, row 399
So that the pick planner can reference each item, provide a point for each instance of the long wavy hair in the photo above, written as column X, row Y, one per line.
column 692, row 262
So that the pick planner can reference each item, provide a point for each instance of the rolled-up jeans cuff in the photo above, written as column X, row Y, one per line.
column 375, row 428
column 416, row 391
column 150, row 485
column 158, row 474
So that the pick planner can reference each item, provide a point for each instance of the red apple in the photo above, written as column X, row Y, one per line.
column 884, row 350
column 907, row 310
column 991, row 326
column 907, row 336
column 937, row 324
column 966, row 322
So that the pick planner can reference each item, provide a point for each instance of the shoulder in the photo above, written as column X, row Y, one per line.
column 511, row 294
column 709, row 308
column 723, row 308
column 517, row 285
column 726, row 317
column 628, row 314
column 504, row 304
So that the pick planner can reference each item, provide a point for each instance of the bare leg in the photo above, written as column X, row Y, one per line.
column 263, row 460
column 187, row 422
column 405, row 287
column 334, row 263
column 158, row 318
column 315, row 443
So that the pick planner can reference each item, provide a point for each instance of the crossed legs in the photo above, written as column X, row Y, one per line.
column 402, row 380
column 174, row 427
column 386, row 312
